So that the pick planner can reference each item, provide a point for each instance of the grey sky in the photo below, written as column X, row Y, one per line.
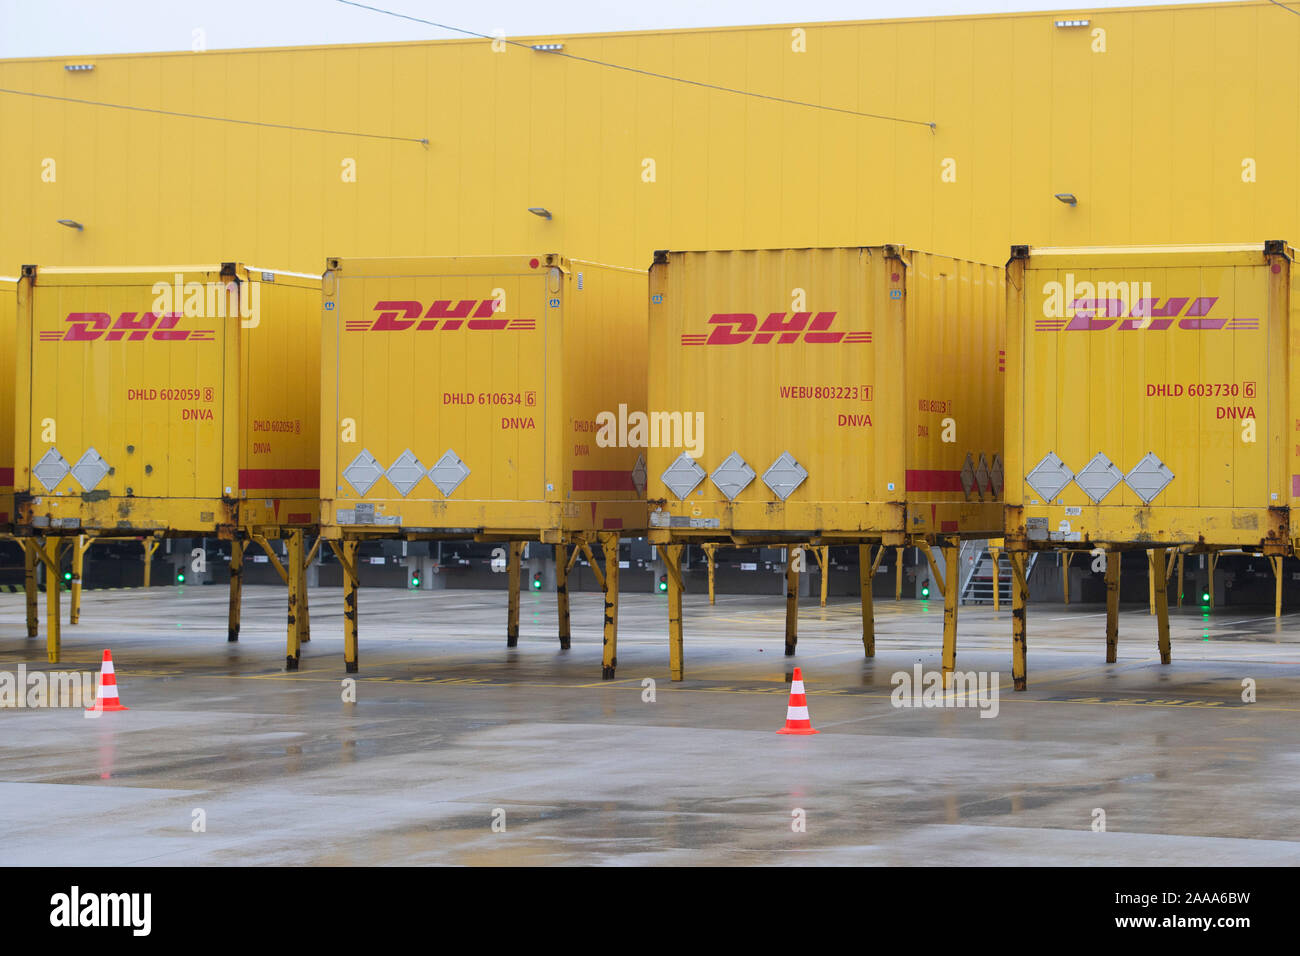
column 66, row 27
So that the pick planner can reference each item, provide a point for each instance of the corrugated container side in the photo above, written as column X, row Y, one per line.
column 955, row 360
column 279, row 450
column 1148, row 398
column 8, row 321
column 849, row 360
column 135, row 388
column 462, row 394
column 604, row 351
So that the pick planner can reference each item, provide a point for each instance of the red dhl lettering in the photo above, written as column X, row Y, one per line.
column 517, row 424
column 129, row 327
column 406, row 315
column 738, row 328
column 1098, row 315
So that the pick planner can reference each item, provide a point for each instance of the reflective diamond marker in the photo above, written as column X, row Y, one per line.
column 968, row 475
column 448, row 472
column 89, row 470
column 683, row 476
column 982, row 480
column 996, row 479
column 1049, row 477
column 363, row 472
column 732, row 476
column 51, row 469
column 639, row 475
column 406, row 472
column 1099, row 477
column 1148, row 477
column 784, row 475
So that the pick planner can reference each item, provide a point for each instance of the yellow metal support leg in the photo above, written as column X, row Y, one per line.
column 710, row 552
column 562, row 593
column 1151, row 580
column 866, row 571
column 673, row 565
column 79, row 546
column 351, row 584
column 304, row 612
column 824, row 562
column 1019, row 608
column 1158, row 558
column 294, row 571
column 951, row 592
column 30, row 560
column 346, row 552
column 609, row 657
column 515, row 552
column 1180, row 578
column 1276, row 562
column 1112, row 605
column 935, row 577
column 236, row 587
column 150, row 546
column 792, row 557
column 53, row 637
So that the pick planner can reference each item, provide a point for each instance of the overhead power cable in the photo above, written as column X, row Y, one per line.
column 215, row 119
column 650, row 73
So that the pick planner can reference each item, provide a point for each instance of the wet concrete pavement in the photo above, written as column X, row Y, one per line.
column 452, row 732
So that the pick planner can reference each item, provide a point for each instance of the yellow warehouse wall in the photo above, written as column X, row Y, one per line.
column 1151, row 135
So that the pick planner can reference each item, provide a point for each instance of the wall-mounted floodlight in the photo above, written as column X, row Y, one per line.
column 1071, row 23
column 548, row 47
column 540, row 211
column 1068, row 198
column 72, row 224
column 78, row 67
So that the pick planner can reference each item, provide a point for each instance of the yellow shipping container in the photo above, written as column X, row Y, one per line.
column 8, row 319
column 8, row 324
column 463, row 398
column 1147, row 406
column 166, row 401
column 828, row 396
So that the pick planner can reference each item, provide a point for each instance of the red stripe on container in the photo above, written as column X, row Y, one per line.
column 7, row 477
column 303, row 517
column 1295, row 486
column 613, row 524
column 947, row 526
column 933, row 479
column 279, row 478
column 4, row 517
column 592, row 480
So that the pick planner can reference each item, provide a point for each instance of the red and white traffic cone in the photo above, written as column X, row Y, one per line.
column 796, row 715
column 107, row 699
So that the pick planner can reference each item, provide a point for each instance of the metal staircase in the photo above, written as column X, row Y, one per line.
column 977, row 573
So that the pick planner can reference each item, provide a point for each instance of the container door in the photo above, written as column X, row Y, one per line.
column 444, row 377
column 126, row 389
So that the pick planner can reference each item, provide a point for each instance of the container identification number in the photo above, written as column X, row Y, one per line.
column 850, row 392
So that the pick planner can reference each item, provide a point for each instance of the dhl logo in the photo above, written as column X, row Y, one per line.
column 736, row 328
column 400, row 316
column 1095, row 315
column 129, row 327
